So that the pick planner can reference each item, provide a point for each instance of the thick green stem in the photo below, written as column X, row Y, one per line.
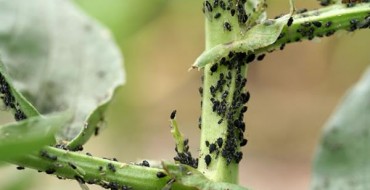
column 220, row 107
column 93, row 170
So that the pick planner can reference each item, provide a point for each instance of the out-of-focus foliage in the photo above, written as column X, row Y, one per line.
column 124, row 17
column 343, row 158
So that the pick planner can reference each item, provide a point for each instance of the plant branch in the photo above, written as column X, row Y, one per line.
column 323, row 22
column 93, row 170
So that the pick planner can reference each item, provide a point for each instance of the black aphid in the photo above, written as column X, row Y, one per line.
column 261, row 57
column 318, row 24
column 145, row 163
column 212, row 148
column 328, row 24
column 220, row 141
column 217, row 15
column 111, row 167
column 227, row 26
column 214, row 68
column 173, row 114
column 207, row 159
column 290, row 21
column 208, row 6
column 50, row 171
column 243, row 142
column 161, row 174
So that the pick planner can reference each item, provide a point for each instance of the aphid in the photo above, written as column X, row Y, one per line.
column 207, row 143
column 111, row 167
column 251, row 57
column 238, row 156
column 232, row 12
column 225, row 94
column 113, row 185
column 100, row 168
column 215, row 4
column 261, row 57
column 207, row 159
column 282, row 46
column 200, row 91
column 227, row 26
column 212, row 90
column 245, row 97
column 353, row 21
column 290, row 21
column 88, row 154
column 244, row 109
column 222, row 5
column 50, row 171
column 161, row 174
column 328, row 24
column 217, row 15
column 220, row 142
column 145, row 163
column 212, row 148
column 200, row 122
column 214, row 68
column 329, row 33
column 317, row 24
column 173, row 114
column 243, row 142
column 208, row 6
column 20, row 168
column 97, row 129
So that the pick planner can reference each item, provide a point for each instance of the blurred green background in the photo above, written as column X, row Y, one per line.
column 293, row 92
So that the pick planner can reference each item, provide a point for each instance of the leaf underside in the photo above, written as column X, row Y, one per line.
column 60, row 60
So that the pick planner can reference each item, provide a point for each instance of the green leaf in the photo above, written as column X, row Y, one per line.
column 17, row 139
column 259, row 36
column 342, row 160
column 60, row 59
column 191, row 177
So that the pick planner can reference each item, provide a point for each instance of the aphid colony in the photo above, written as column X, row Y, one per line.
column 185, row 157
column 9, row 100
column 215, row 9
column 228, row 99
column 318, row 28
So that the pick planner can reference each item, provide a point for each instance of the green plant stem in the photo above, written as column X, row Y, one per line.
column 87, row 168
column 218, row 169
